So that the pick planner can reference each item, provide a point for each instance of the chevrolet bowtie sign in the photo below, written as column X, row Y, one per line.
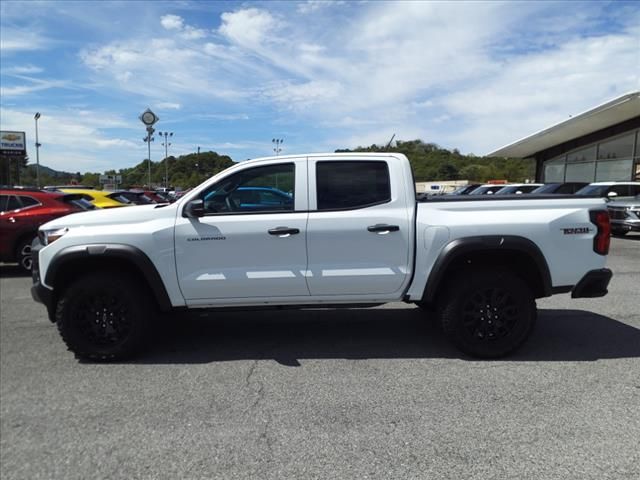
column 12, row 143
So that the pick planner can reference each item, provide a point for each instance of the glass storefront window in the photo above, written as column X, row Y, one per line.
column 583, row 155
column 581, row 172
column 621, row 147
column 614, row 171
column 553, row 172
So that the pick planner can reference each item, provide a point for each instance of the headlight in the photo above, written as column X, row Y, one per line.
column 49, row 236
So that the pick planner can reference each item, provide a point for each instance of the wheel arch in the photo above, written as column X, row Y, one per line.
column 69, row 262
column 514, row 252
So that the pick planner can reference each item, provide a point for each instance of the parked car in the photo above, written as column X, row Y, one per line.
column 465, row 189
column 625, row 216
column 22, row 211
column 350, row 233
column 99, row 198
column 130, row 198
column 567, row 188
column 489, row 189
column 619, row 190
column 518, row 188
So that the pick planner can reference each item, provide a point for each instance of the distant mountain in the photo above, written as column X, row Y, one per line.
column 49, row 171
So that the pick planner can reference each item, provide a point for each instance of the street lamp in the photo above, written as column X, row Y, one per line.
column 166, row 145
column 36, row 117
column 277, row 142
column 149, row 119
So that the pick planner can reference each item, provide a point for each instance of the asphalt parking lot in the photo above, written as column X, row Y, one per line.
column 329, row 394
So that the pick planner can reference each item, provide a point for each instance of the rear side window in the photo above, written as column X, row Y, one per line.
column 14, row 203
column 28, row 201
column 3, row 202
column 351, row 185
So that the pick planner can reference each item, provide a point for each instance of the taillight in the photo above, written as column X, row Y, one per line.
column 600, row 218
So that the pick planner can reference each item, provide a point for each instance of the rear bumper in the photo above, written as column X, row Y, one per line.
column 593, row 284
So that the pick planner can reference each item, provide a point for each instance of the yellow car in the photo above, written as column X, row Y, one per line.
column 99, row 198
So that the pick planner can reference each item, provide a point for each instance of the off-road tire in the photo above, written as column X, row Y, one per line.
column 104, row 316
column 487, row 314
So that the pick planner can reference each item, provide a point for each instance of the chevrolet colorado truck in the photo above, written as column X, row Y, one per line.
column 346, row 230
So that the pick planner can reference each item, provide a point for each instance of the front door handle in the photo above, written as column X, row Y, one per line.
column 382, row 228
column 284, row 231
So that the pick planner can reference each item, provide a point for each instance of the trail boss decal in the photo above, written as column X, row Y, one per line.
column 575, row 230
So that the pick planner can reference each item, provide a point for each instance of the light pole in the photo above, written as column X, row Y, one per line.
column 149, row 119
column 166, row 145
column 277, row 142
column 36, row 117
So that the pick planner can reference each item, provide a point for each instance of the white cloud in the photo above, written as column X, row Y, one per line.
column 14, row 40
column 76, row 139
column 172, row 22
column 247, row 28
column 312, row 6
column 35, row 85
column 22, row 70
column 168, row 106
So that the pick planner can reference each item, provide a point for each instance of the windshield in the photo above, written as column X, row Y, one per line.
column 593, row 190
column 515, row 189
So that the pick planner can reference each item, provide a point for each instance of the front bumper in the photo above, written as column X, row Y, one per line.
column 593, row 284
column 39, row 292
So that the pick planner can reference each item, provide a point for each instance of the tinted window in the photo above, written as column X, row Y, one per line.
column 352, row 184
column 260, row 189
column 14, row 203
column 621, row 190
column 621, row 147
column 28, row 201
column 3, row 202
column 598, row 190
column 569, row 187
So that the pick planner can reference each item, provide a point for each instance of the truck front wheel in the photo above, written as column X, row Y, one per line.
column 103, row 316
column 487, row 314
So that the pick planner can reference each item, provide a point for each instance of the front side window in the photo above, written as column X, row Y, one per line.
column 261, row 189
column 350, row 185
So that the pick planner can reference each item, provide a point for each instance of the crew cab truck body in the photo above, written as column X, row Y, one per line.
column 353, row 234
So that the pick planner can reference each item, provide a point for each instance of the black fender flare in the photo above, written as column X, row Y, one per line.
column 136, row 257
column 466, row 245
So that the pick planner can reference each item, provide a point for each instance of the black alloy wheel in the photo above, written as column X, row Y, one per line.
column 104, row 316
column 487, row 314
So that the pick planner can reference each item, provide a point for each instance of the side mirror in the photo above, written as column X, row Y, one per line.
column 612, row 194
column 194, row 209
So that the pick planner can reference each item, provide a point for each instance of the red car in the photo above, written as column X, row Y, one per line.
column 22, row 211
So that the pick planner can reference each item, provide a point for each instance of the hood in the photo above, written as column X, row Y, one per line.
column 113, row 216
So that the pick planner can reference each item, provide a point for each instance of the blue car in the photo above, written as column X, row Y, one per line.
column 252, row 199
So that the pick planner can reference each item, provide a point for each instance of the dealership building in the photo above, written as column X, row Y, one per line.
column 599, row 145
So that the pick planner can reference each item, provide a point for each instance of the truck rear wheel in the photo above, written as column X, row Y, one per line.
column 488, row 314
column 103, row 316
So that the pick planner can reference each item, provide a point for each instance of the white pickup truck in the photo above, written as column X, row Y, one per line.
column 319, row 231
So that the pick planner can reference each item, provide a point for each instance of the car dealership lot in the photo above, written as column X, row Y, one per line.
column 373, row 393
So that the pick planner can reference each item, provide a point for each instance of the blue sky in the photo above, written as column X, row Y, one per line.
column 230, row 76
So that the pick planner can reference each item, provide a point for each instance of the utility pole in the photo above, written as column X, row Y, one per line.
column 36, row 117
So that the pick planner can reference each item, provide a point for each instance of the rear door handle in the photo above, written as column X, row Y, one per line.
column 381, row 228
column 284, row 231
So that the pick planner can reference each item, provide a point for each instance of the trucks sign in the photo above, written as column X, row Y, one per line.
column 12, row 143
